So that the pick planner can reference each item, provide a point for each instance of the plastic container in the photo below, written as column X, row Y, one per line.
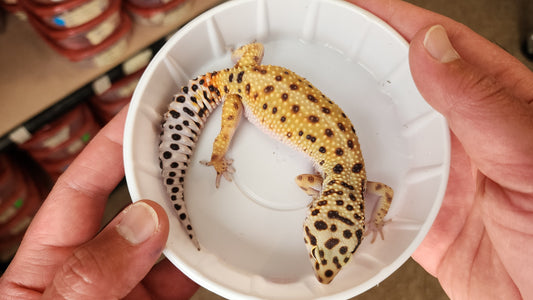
column 12, row 205
column 70, row 147
column 121, row 89
column 26, row 206
column 250, row 233
column 149, row 3
column 107, row 110
column 69, row 14
column 58, row 131
column 160, row 15
column 7, row 179
column 84, row 36
column 107, row 52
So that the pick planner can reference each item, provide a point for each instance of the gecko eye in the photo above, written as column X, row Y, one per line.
column 313, row 253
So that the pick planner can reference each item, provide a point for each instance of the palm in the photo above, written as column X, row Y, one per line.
column 464, row 245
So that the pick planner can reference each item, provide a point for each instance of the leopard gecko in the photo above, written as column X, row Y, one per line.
column 291, row 109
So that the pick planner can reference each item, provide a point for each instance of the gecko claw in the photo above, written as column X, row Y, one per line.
column 223, row 167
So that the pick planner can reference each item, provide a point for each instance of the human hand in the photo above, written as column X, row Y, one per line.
column 64, row 256
column 481, row 244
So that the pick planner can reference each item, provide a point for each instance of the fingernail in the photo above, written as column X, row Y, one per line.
column 439, row 46
column 139, row 223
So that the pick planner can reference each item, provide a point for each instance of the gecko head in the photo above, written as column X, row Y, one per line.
column 249, row 54
column 328, row 250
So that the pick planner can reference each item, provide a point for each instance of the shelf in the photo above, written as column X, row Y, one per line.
column 37, row 84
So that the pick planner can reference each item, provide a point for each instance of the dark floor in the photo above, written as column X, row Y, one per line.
column 497, row 21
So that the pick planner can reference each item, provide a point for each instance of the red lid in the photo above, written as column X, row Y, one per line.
column 74, row 119
column 10, row 206
column 50, row 10
column 107, row 96
column 60, row 34
column 77, row 55
column 148, row 12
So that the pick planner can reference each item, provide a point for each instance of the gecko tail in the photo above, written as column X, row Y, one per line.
column 181, row 127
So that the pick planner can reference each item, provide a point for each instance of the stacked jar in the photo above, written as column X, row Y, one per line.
column 19, row 201
column 109, row 101
column 158, row 12
column 57, row 144
column 91, row 31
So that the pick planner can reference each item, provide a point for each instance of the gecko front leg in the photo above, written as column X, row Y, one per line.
column 231, row 114
column 377, row 220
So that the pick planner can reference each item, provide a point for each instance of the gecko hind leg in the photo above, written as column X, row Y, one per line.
column 232, row 111
column 377, row 220
column 311, row 184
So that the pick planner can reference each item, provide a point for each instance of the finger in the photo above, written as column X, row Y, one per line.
column 115, row 261
column 409, row 19
column 78, row 199
column 495, row 128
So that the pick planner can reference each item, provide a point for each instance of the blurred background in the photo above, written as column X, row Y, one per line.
column 66, row 67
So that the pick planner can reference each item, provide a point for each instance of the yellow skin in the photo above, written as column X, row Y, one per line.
column 289, row 108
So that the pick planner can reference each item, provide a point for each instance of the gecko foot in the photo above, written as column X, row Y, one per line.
column 223, row 167
column 375, row 229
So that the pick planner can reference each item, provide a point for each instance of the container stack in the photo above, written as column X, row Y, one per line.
column 110, row 101
column 158, row 12
column 57, row 144
column 19, row 201
column 93, row 32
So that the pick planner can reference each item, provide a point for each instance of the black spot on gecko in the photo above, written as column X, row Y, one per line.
column 312, row 238
column 295, row 108
column 312, row 98
column 274, row 110
column 322, row 202
column 333, row 228
column 328, row 273
column 333, row 214
column 174, row 146
column 359, row 234
column 176, row 137
column 175, row 114
column 293, row 87
column 328, row 132
column 175, row 189
column 349, row 207
column 279, row 78
column 311, row 138
column 343, row 250
column 339, row 202
column 170, row 181
column 332, row 242
column 230, row 77
column 322, row 150
column 194, row 87
column 315, row 212
column 341, row 126
column 269, row 89
column 300, row 133
column 239, row 76
column 247, row 88
column 338, row 169
column 321, row 225
column 339, row 152
column 202, row 81
column 326, row 110
column 283, row 119
column 350, row 144
column 183, row 216
column 188, row 111
column 284, row 96
column 313, row 119
column 180, row 99
column 174, row 165
column 357, row 168
column 347, row 234
column 167, row 155
column 265, row 106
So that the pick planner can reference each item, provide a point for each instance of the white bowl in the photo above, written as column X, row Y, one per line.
column 251, row 229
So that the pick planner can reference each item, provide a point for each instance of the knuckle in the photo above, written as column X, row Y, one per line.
column 81, row 276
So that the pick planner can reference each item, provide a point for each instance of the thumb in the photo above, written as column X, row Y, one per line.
column 117, row 259
column 494, row 127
